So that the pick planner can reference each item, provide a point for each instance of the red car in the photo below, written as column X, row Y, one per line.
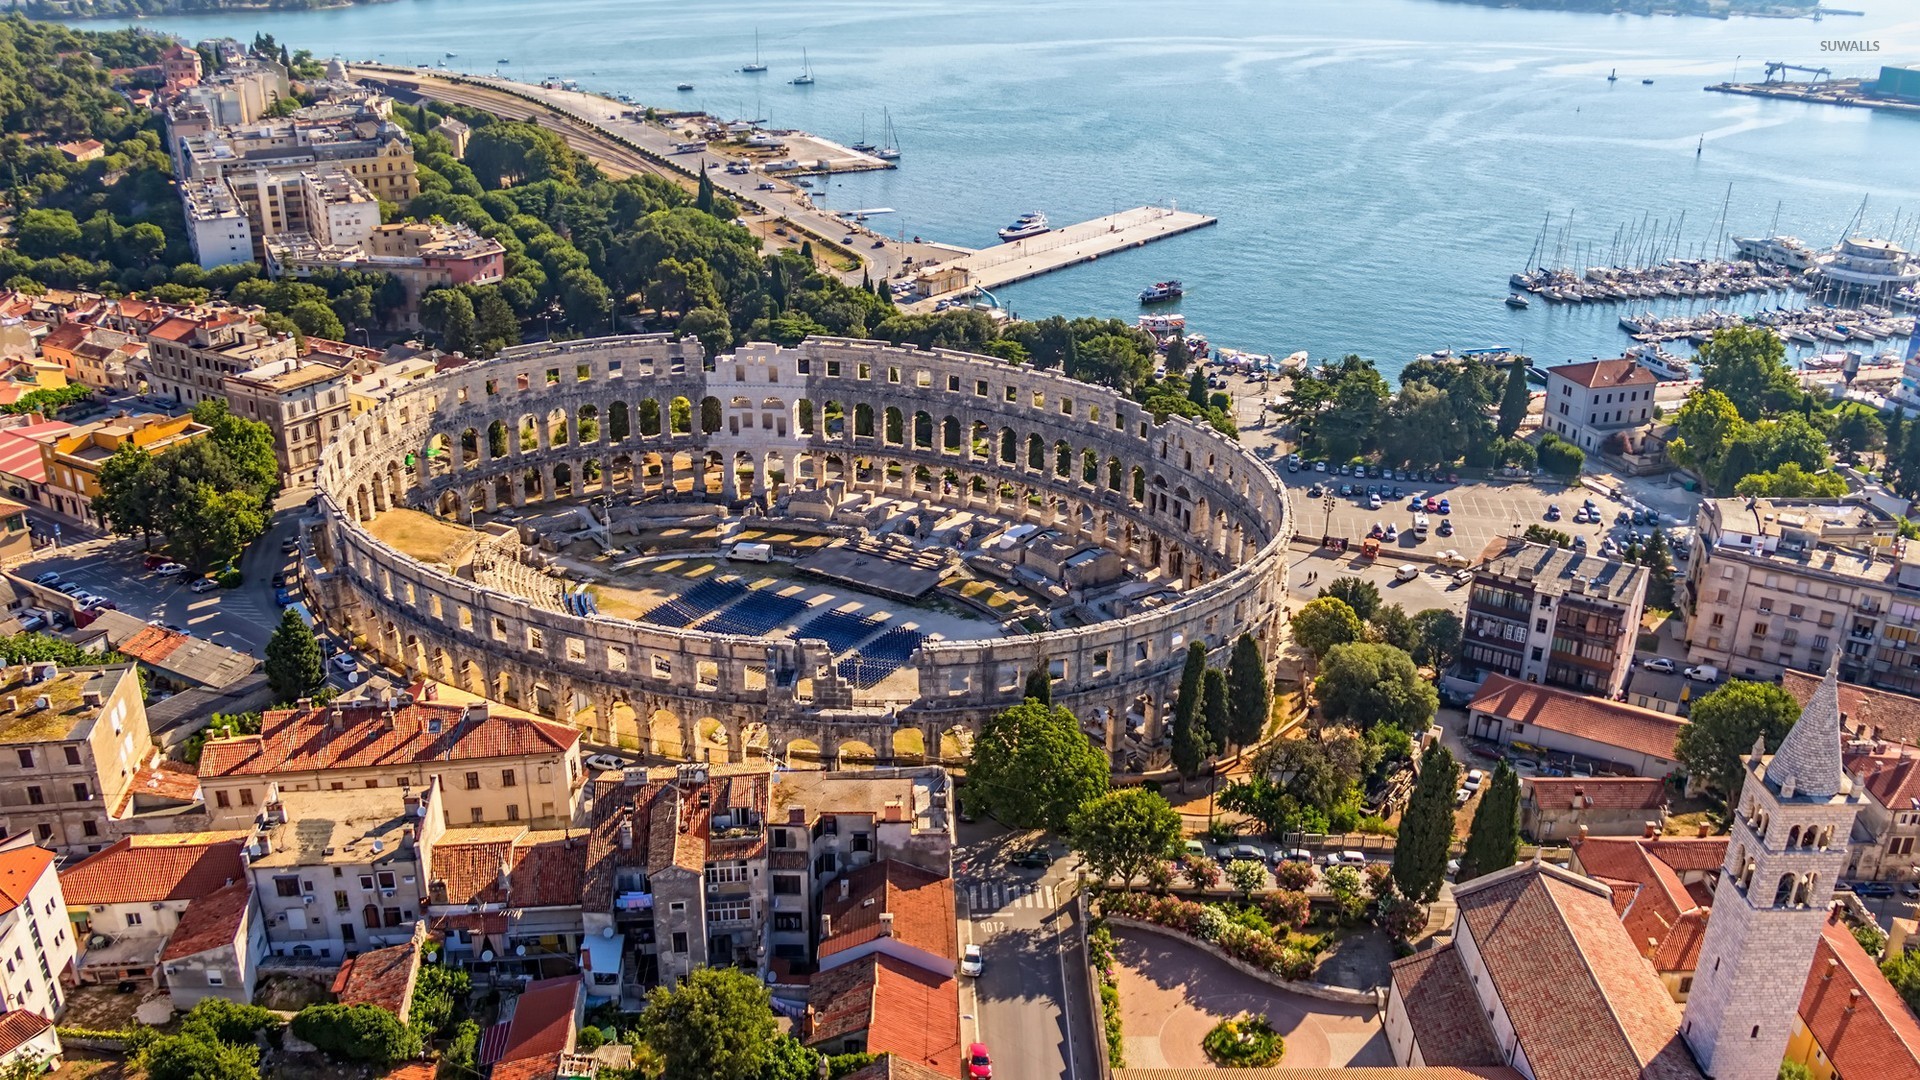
column 1433, row 505
column 979, row 1062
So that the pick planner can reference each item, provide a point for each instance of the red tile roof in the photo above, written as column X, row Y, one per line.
column 543, row 1019
column 175, row 329
column 891, row 1067
column 1873, row 1035
column 541, row 1067
column 304, row 740
column 903, row 1009
column 1894, row 782
column 669, row 826
column 1664, row 917
column 211, row 921
column 21, row 869
column 1610, row 723
column 1598, row 792
column 543, row 868
column 1555, row 950
column 920, row 901
column 65, row 336
column 1443, row 1010
column 165, row 866
column 1594, row 374
column 383, row 977
column 1374, row 1072
column 20, row 449
column 19, row 1027
column 164, row 778
column 1880, row 714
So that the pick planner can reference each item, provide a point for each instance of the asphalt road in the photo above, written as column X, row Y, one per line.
column 1029, row 1003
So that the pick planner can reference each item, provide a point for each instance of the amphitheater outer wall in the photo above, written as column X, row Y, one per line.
column 1033, row 447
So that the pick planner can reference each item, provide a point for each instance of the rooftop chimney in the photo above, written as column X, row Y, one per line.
column 1704, row 831
column 797, row 815
column 90, row 698
column 412, row 803
column 893, row 811
column 886, row 924
column 626, row 834
column 337, row 718
column 826, row 926
column 1583, row 832
column 1651, row 830
column 1831, row 965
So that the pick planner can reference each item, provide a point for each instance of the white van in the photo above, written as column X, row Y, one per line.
column 750, row 552
column 1407, row 572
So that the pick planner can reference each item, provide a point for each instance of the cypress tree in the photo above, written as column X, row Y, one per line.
column 703, row 196
column 294, row 665
column 1179, row 355
column 1197, row 389
column 1249, row 695
column 1189, row 725
column 1426, row 830
column 1493, row 841
column 1216, row 709
column 1513, row 404
column 1039, row 686
column 1187, row 703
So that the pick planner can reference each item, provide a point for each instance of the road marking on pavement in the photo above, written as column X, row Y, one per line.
column 1001, row 896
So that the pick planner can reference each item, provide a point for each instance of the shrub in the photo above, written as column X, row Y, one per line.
column 225, row 1021
column 1295, row 876
column 1110, row 1013
column 1250, row 918
column 1288, row 909
column 1159, row 876
column 229, row 578
column 189, row 1057
column 1210, row 924
column 357, row 1033
column 1377, row 877
column 1201, row 871
column 457, row 1060
column 1243, row 1042
column 590, row 1039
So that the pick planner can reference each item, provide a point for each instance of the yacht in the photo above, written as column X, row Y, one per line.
column 1517, row 300
column 451, row 55
column 1661, row 362
column 755, row 68
column 1161, row 291
column 889, row 149
column 805, row 78
column 684, row 86
column 1868, row 265
column 1785, row 251
column 863, row 146
column 1029, row 224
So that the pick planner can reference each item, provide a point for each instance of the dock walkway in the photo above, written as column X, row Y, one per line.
column 1004, row 264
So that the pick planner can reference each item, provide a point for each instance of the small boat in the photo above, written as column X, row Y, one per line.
column 889, row 149
column 503, row 60
column 1646, row 82
column 1028, row 224
column 1162, row 291
column 863, row 146
column 1614, row 75
column 805, row 78
column 756, row 67
column 1515, row 300
column 451, row 55
column 684, row 86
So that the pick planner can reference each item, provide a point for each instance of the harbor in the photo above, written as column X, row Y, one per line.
column 1018, row 260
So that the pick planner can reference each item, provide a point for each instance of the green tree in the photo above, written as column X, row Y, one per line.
column 1514, row 399
column 1246, row 876
column 1391, row 625
column 1197, row 389
column 1033, row 767
column 316, row 319
column 1790, row 481
column 130, row 492
column 1722, row 726
column 1249, row 694
column 1426, row 829
column 1216, row 710
column 716, row 1024
column 1191, row 745
column 1903, row 970
column 1039, row 686
column 1187, row 701
column 357, row 1033
column 1436, row 637
column 189, row 1057
column 790, row 1059
column 294, row 664
column 220, row 1020
column 1362, row 596
column 1366, row 684
column 1264, row 801
column 1493, row 840
column 1123, row 833
column 1748, row 364
column 1323, row 624
column 1707, row 424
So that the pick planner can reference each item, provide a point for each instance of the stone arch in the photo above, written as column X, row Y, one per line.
column 833, row 420
column 469, row 448
column 1009, row 446
column 680, row 418
column 558, row 427
column 711, row 414
column 863, row 421
column 440, row 453
column 498, row 444
column 857, row 754
column 950, row 436
column 1036, row 453
column 586, row 420
column 803, row 417
column 922, row 430
column 896, row 433
column 1783, row 895
column 562, row 481
column 1062, row 459
column 1793, row 837
column 619, row 421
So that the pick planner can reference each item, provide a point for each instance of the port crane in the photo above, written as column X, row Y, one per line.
column 1777, row 68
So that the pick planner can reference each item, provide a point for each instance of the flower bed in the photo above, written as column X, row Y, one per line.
column 1212, row 923
column 1244, row 1042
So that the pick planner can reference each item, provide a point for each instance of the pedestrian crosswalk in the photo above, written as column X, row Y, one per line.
column 985, row 897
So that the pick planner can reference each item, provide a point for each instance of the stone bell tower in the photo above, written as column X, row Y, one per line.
column 1788, row 847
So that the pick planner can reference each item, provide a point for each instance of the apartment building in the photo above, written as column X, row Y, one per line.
column 423, row 256
column 339, row 872
column 73, row 459
column 507, row 899
column 192, row 354
column 303, row 401
column 1557, row 616
column 36, row 941
column 1784, row 584
column 71, row 743
column 129, row 900
column 338, row 210
column 218, row 228
column 491, row 767
column 375, row 151
column 1588, row 403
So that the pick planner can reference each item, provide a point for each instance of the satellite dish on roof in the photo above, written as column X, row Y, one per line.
column 486, row 954
column 606, row 932
column 519, row 950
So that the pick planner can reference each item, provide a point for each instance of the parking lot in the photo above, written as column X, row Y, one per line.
column 1433, row 587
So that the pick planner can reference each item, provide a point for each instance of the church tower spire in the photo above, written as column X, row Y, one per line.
column 1788, row 845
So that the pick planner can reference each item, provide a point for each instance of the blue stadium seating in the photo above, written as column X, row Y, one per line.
column 754, row 614
column 698, row 602
column 841, row 630
column 880, row 657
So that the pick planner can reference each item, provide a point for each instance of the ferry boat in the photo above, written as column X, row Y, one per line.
column 1515, row 300
column 1785, row 251
column 1026, row 225
column 1868, row 265
column 1161, row 291
column 1661, row 362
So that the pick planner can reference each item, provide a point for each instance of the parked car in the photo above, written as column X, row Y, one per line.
column 602, row 761
column 1373, row 501
column 1031, row 859
column 31, row 623
column 1873, row 888
column 971, row 962
column 979, row 1062
column 1406, row 573
column 290, row 546
column 49, row 579
column 1194, row 848
column 1354, row 859
column 1662, row 664
column 1446, row 507
column 205, row 584
column 1293, row 855
column 69, row 588
column 172, row 569
column 1842, row 886
column 345, row 662
column 1474, row 779
column 1244, row 851
column 1446, row 526
column 1553, row 512
column 1705, row 673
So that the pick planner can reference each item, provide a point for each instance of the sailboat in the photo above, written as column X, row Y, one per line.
column 889, row 142
column 756, row 67
column 1614, row 75
column 863, row 146
column 805, row 78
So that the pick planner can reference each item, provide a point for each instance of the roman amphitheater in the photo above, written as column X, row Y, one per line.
column 842, row 548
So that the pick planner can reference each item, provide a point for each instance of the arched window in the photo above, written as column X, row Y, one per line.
column 1783, row 895
column 1826, row 837
column 1807, row 886
column 1793, row 837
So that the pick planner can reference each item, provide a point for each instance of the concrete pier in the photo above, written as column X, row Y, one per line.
column 1004, row 264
